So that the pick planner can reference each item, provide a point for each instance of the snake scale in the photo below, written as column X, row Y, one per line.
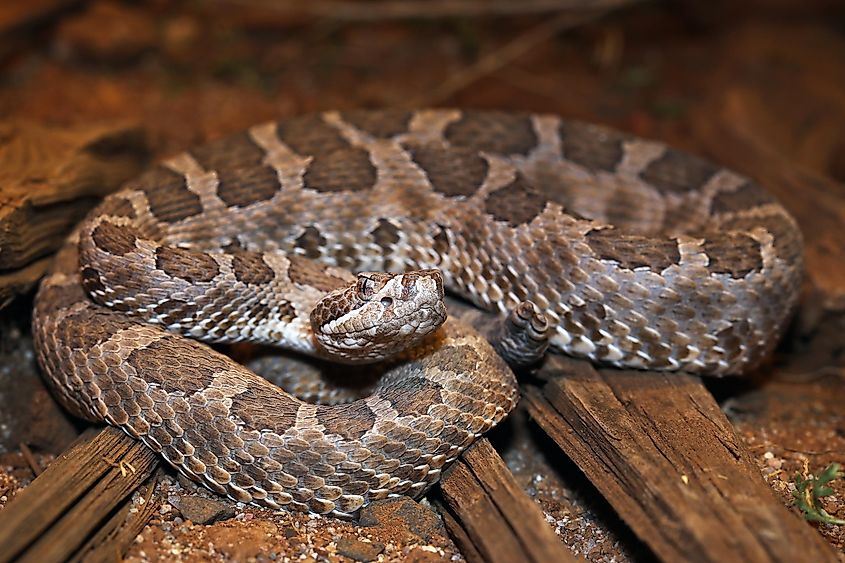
column 637, row 255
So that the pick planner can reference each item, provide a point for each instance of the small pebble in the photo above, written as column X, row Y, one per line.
column 201, row 510
column 359, row 550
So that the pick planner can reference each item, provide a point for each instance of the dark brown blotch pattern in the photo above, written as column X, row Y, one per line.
column 89, row 328
column 633, row 251
column 786, row 238
column 91, row 281
column 748, row 196
column 250, row 268
column 263, row 407
column 189, row 265
column 117, row 240
column 287, row 312
column 239, row 187
column 385, row 235
column 351, row 421
column 234, row 151
column 168, row 195
column 308, row 272
column 309, row 135
column 517, row 203
column 458, row 359
column 678, row 172
column 259, row 312
column 382, row 124
column 452, row 171
column 494, row 132
column 412, row 395
column 165, row 363
column 733, row 253
column 311, row 241
column 342, row 170
column 591, row 146
column 175, row 310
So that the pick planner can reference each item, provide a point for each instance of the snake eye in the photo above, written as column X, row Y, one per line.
column 366, row 287
column 387, row 301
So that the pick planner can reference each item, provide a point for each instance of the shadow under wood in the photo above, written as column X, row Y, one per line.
column 531, row 453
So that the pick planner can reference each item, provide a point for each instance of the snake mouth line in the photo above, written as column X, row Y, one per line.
column 434, row 311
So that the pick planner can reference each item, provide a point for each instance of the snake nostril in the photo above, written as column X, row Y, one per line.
column 387, row 301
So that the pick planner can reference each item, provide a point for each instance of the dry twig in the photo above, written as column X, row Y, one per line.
column 30, row 459
column 506, row 54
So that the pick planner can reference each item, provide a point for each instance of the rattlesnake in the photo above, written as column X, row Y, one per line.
column 637, row 255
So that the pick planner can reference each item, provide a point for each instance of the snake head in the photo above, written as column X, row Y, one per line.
column 379, row 315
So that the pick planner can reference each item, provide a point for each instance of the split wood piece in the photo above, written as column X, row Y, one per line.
column 112, row 540
column 816, row 201
column 49, row 178
column 75, row 496
column 495, row 515
column 18, row 282
column 662, row 453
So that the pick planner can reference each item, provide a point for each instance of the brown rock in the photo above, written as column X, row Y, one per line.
column 359, row 550
column 403, row 513
column 201, row 510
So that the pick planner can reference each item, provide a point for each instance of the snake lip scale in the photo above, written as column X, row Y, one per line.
column 633, row 254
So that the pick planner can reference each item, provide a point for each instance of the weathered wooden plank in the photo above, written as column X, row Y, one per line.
column 459, row 535
column 76, row 494
column 113, row 539
column 49, row 178
column 501, row 521
column 662, row 453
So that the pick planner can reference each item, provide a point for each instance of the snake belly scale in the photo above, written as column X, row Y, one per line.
column 640, row 256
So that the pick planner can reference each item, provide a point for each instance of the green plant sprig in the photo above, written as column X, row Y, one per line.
column 808, row 492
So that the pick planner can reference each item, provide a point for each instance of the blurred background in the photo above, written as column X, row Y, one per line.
column 189, row 71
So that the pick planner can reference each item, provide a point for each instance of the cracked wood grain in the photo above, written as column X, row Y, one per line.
column 661, row 452
column 492, row 519
column 65, row 506
column 114, row 538
column 49, row 178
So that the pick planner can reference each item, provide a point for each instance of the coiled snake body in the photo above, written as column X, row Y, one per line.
column 638, row 255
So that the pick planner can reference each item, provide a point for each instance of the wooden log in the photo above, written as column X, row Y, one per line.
column 49, row 178
column 662, row 453
column 58, row 512
column 495, row 515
